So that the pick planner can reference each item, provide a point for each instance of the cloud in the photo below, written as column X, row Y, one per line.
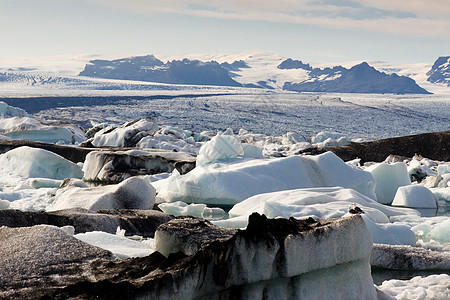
column 413, row 17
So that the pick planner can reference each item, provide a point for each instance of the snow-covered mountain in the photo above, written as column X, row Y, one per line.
column 251, row 70
column 440, row 71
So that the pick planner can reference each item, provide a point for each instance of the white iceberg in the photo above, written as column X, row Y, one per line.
column 220, row 147
column 38, row 163
column 238, row 179
column 133, row 193
column 415, row 196
column 325, row 203
column 388, row 178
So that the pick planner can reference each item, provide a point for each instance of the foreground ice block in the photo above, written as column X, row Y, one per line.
column 388, row 178
column 230, row 183
column 273, row 259
column 415, row 196
column 38, row 163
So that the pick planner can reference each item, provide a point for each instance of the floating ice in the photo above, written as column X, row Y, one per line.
column 31, row 129
column 181, row 208
column 133, row 193
column 252, row 151
column 319, row 203
column 169, row 143
column 323, row 136
column 38, row 183
column 4, row 204
column 388, row 178
column 38, row 163
column 220, row 147
column 325, row 203
column 126, row 135
column 120, row 246
column 443, row 168
column 231, row 182
column 441, row 232
column 7, row 111
column 430, row 287
column 423, row 226
column 391, row 234
column 416, row 196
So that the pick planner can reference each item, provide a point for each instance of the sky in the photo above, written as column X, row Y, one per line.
column 402, row 31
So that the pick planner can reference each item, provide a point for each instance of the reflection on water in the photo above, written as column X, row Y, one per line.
column 443, row 210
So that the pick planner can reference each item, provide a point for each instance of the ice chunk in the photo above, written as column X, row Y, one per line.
column 133, row 193
column 220, row 147
column 38, row 183
column 388, row 178
column 168, row 143
column 231, row 182
column 7, row 111
column 443, row 168
column 325, row 203
column 122, row 247
column 180, row 208
column 416, row 196
column 27, row 128
column 330, row 142
column 127, row 135
column 441, row 232
column 319, row 203
column 4, row 204
column 430, row 287
column 391, row 234
column 252, row 151
column 323, row 136
column 38, row 163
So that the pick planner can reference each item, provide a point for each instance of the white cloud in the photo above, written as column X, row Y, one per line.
column 413, row 17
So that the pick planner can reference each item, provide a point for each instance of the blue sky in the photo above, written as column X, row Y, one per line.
column 314, row 31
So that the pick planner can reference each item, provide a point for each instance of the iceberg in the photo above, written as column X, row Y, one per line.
column 231, row 182
column 388, row 178
column 133, row 193
column 325, row 203
column 16, row 123
column 416, row 196
column 38, row 163
column 220, row 147
column 127, row 135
